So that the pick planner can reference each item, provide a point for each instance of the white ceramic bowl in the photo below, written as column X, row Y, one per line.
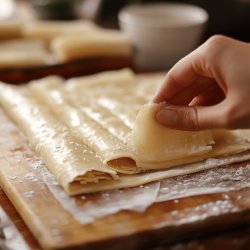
column 162, row 33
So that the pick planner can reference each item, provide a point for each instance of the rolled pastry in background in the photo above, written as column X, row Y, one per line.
column 19, row 53
column 22, row 59
column 21, row 44
column 92, row 45
column 47, row 30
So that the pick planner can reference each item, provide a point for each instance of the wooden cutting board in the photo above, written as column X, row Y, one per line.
column 55, row 228
column 66, row 70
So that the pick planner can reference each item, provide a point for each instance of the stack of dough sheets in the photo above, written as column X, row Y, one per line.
column 18, row 53
column 39, row 43
column 99, row 132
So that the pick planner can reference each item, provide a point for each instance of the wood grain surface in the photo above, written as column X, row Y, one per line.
column 234, row 239
column 15, row 234
column 161, row 223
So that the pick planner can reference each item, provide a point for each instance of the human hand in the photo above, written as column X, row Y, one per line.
column 209, row 88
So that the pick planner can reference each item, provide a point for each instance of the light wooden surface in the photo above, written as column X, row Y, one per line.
column 55, row 228
column 235, row 239
column 66, row 70
column 14, row 234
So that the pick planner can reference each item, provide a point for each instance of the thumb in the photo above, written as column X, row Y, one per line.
column 189, row 118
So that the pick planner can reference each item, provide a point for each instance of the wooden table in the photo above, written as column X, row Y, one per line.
column 236, row 239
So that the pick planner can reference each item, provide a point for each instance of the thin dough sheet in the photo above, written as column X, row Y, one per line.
column 96, row 133
column 19, row 53
column 69, row 160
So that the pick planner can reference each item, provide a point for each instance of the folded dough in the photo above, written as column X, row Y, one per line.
column 47, row 30
column 93, row 44
column 45, row 42
column 70, row 161
column 157, row 147
column 19, row 53
column 22, row 44
column 90, row 137
column 154, row 142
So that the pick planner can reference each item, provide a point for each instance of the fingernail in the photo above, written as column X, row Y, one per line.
column 167, row 117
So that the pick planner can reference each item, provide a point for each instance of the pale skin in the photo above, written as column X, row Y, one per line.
column 209, row 88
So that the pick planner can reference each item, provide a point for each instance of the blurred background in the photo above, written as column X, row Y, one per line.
column 229, row 17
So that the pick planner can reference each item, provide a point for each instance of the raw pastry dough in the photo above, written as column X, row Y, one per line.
column 18, row 53
column 158, row 147
column 154, row 142
column 47, row 30
column 22, row 44
column 109, row 78
column 60, row 42
column 93, row 44
column 68, row 159
column 22, row 59
column 88, row 135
